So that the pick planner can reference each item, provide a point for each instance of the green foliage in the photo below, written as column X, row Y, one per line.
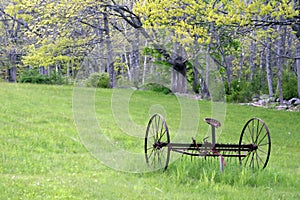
column 98, row 80
column 120, row 66
column 56, row 78
column 153, row 52
column 244, row 90
column 157, row 88
column 240, row 91
column 289, row 85
column 190, row 75
column 34, row 76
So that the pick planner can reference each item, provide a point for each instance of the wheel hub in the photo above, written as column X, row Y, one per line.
column 254, row 147
column 158, row 145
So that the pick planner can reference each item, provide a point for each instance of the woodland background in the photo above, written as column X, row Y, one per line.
column 251, row 46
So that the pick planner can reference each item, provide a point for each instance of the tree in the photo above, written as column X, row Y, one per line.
column 190, row 19
column 11, row 48
column 280, row 60
column 58, row 33
column 296, row 28
column 268, row 67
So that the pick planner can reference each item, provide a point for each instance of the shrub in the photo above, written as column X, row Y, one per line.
column 100, row 80
column 56, row 78
column 157, row 88
column 124, row 83
column 34, row 76
column 240, row 91
column 289, row 85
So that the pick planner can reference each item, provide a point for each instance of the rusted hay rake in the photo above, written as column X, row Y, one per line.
column 253, row 149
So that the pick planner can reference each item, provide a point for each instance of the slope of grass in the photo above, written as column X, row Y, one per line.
column 42, row 155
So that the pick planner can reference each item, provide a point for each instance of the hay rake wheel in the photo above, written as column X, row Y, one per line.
column 257, row 133
column 157, row 139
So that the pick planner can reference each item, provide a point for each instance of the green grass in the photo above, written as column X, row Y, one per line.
column 42, row 155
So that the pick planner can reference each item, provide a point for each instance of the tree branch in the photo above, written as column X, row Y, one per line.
column 20, row 22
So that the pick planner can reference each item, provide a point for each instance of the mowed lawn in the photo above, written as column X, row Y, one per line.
column 42, row 155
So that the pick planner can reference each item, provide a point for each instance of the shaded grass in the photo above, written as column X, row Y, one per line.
column 42, row 156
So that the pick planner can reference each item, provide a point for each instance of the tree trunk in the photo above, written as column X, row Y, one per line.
column 42, row 70
column 178, row 80
column 227, row 60
column 252, row 66
column 13, row 69
column 203, row 90
column 195, row 80
column 241, row 63
column 296, row 29
column 125, row 60
column 6, row 76
column 280, row 61
column 13, row 74
column 268, row 67
column 110, row 63
column 145, row 66
column 68, row 69
column 262, row 64
column 207, row 72
column 135, row 59
column 298, row 65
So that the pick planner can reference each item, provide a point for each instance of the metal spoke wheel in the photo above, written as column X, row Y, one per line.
column 157, row 140
column 255, row 133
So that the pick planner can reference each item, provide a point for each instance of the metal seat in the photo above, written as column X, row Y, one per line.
column 213, row 122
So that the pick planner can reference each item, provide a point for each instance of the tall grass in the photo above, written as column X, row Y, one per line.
column 42, row 156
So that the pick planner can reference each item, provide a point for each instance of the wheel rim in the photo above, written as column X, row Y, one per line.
column 157, row 141
column 256, row 132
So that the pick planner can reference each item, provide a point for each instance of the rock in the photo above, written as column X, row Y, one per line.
column 282, row 107
column 297, row 108
column 272, row 99
column 255, row 104
column 264, row 97
column 294, row 101
column 198, row 97
column 266, row 101
column 262, row 102
column 255, row 98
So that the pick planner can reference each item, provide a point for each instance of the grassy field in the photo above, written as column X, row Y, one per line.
column 42, row 155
